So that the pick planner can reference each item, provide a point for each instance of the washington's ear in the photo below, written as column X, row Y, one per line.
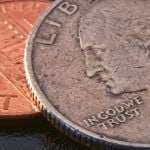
column 92, row 62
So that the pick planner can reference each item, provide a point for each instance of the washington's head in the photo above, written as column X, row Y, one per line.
column 115, row 39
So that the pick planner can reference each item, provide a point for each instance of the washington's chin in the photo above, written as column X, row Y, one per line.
column 125, row 90
column 124, row 86
column 116, row 90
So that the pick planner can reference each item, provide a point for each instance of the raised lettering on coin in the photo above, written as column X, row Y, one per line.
column 7, row 100
column 49, row 41
column 68, row 8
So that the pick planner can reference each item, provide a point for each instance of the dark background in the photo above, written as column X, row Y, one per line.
column 33, row 134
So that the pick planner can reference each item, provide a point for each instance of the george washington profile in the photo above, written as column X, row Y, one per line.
column 115, row 40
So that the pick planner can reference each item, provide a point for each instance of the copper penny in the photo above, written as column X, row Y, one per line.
column 88, row 63
column 16, row 20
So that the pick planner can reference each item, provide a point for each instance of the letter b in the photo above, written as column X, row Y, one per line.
column 67, row 8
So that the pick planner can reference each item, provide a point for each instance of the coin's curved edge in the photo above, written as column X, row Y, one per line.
column 4, row 1
column 56, row 118
column 22, row 116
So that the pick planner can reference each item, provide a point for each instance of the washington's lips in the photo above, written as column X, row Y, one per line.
column 16, row 21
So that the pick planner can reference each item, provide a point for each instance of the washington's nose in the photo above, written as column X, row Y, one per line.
column 93, row 63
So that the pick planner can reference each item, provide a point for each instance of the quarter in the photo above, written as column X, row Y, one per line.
column 87, row 62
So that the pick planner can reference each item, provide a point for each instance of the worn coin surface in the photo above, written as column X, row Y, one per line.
column 88, row 64
column 16, row 20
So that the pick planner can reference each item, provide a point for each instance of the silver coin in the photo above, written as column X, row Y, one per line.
column 88, row 64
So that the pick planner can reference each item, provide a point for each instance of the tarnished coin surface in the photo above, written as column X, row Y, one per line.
column 16, row 20
column 88, row 63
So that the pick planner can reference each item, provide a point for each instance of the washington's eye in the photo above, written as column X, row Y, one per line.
column 99, row 50
column 87, row 49
column 147, row 45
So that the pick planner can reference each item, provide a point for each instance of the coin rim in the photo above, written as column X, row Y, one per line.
column 5, row 1
column 45, row 104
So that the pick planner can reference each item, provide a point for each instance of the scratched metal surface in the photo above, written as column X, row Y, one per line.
column 36, row 136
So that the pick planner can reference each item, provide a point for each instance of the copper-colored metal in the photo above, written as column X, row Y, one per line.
column 16, row 20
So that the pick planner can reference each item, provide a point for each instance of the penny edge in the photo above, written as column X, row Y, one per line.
column 37, row 113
